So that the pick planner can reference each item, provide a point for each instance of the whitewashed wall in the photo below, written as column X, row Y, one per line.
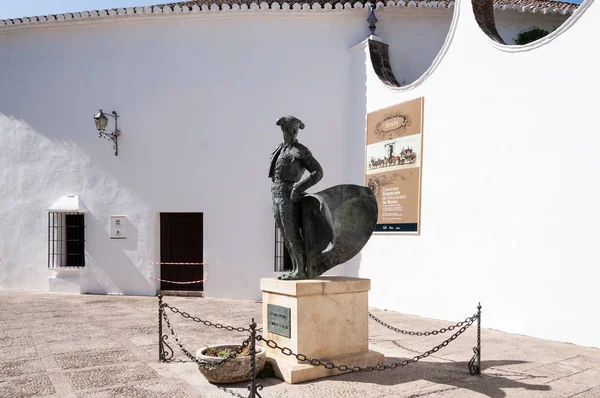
column 198, row 97
column 506, row 218
column 198, row 100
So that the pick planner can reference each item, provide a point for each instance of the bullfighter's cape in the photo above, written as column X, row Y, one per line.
column 336, row 224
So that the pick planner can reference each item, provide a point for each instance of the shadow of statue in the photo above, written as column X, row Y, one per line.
column 447, row 376
column 491, row 382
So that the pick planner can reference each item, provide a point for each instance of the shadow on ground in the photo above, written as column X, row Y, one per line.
column 455, row 375
column 490, row 382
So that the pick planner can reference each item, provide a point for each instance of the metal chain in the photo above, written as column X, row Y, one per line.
column 328, row 365
column 228, row 391
column 231, row 356
column 433, row 332
column 207, row 323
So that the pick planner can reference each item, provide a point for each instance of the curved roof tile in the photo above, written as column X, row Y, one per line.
column 533, row 6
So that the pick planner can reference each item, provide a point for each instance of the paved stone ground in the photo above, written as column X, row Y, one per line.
column 67, row 346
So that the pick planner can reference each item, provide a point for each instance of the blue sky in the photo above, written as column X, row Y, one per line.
column 25, row 8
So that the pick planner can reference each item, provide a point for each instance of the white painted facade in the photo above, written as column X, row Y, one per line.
column 198, row 94
column 504, row 220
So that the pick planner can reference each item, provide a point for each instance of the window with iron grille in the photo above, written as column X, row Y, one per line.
column 283, row 261
column 66, row 240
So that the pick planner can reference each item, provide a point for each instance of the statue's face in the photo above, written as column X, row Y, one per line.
column 290, row 126
column 290, row 131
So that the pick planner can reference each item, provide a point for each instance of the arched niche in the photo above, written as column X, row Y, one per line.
column 431, row 32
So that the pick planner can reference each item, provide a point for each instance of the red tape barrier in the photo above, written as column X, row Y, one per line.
column 178, row 283
column 181, row 283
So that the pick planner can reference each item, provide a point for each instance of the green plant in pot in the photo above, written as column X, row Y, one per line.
column 233, row 371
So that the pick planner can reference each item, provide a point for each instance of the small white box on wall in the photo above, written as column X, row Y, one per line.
column 118, row 229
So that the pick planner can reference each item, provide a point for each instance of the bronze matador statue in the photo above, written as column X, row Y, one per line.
column 323, row 229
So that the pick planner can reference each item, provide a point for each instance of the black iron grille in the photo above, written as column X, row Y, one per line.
column 66, row 240
column 283, row 261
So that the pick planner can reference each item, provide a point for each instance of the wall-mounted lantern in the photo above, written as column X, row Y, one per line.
column 101, row 121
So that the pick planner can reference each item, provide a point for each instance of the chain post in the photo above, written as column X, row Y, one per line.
column 475, row 362
column 479, row 338
column 252, row 386
column 161, row 348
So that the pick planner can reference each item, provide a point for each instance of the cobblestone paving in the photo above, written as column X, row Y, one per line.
column 71, row 346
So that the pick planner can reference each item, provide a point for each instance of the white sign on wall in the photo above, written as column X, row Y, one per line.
column 117, row 227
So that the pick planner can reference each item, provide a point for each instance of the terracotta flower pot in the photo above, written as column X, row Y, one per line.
column 234, row 371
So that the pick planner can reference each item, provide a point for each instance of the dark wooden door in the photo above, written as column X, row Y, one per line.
column 181, row 241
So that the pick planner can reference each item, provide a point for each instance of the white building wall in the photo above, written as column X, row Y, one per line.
column 198, row 97
column 509, row 204
column 198, row 100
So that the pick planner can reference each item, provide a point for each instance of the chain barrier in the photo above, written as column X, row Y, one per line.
column 250, row 342
column 207, row 323
column 192, row 357
column 344, row 368
column 228, row 391
column 253, row 387
column 430, row 333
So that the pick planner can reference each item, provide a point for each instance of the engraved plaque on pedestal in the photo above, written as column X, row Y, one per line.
column 279, row 320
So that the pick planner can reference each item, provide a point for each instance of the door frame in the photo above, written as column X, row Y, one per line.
column 160, row 240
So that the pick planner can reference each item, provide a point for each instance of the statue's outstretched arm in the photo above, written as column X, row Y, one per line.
column 316, row 174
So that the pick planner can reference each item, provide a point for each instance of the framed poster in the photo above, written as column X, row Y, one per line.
column 394, row 153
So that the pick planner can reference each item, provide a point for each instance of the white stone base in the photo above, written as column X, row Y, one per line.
column 328, row 321
column 67, row 280
column 292, row 372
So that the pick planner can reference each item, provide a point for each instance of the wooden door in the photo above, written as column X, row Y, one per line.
column 181, row 241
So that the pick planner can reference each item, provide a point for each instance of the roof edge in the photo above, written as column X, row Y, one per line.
column 263, row 6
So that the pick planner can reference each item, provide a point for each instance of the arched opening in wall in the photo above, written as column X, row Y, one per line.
column 412, row 37
column 520, row 22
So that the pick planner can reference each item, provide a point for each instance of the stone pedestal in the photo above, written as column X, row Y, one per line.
column 325, row 318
